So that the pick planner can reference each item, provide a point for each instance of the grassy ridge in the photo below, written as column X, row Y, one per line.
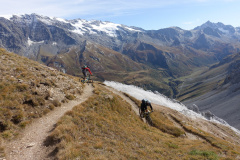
column 105, row 127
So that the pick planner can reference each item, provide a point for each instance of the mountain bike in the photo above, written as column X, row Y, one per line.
column 86, row 80
column 146, row 115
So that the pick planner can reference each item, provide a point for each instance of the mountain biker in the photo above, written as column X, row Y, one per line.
column 86, row 69
column 144, row 105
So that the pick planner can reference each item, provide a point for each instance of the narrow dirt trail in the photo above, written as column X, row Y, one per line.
column 31, row 145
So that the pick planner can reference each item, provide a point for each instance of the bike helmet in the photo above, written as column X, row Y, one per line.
column 146, row 101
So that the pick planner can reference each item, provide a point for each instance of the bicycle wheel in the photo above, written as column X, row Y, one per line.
column 149, row 120
column 141, row 113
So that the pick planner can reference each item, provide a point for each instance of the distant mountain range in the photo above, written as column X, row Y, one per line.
column 106, row 47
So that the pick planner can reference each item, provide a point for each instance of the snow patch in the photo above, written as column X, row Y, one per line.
column 8, row 17
column 92, row 27
column 131, row 29
column 58, row 19
column 62, row 20
column 107, row 27
column 224, row 31
column 46, row 21
column 30, row 42
column 160, row 99
column 79, row 27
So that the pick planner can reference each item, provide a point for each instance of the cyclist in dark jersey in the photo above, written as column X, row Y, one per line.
column 144, row 105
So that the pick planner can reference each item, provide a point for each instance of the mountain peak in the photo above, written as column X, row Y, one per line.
column 219, row 26
column 205, row 25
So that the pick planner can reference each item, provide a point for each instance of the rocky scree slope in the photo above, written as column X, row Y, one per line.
column 217, row 89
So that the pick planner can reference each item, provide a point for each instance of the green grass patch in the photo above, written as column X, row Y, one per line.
column 210, row 155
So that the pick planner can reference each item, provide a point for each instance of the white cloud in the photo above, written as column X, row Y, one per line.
column 67, row 8
column 63, row 8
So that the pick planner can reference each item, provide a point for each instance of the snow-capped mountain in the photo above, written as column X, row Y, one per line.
column 174, row 50
column 78, row 26
column 114, row 34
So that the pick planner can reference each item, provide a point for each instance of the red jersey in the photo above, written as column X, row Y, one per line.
column 88, row 69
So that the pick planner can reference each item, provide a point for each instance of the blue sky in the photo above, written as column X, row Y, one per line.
column 147, row 14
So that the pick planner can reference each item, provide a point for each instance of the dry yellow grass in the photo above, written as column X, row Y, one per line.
column 29, row 90
column 160, row 120
column 105, row 127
